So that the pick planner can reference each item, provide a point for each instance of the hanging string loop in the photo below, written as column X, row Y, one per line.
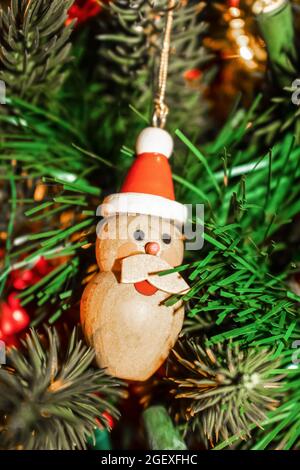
column 161, row 109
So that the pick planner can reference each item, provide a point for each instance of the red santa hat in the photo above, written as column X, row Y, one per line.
column 148, row 188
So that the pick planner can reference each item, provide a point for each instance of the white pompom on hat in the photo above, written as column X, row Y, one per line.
column 155, row 140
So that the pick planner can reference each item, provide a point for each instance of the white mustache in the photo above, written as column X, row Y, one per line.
column 138, row 268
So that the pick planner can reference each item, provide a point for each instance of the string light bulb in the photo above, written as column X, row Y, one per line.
column 237, row 32
column 246, row 53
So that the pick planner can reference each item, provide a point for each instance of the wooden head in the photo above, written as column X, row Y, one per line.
column 124, row 235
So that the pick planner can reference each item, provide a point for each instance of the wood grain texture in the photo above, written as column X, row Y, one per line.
column 137, row 268
column 132, row 334
column 131, row 331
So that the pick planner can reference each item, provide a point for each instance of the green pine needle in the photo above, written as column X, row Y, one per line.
column 34, row 46
column 51, row 398
column 223, row 390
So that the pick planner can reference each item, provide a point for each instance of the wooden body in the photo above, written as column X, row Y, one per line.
column 125, row 322
column 132, row 334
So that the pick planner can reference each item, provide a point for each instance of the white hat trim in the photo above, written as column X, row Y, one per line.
column 140, row 203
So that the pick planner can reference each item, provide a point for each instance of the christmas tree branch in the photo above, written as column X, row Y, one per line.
column 51, row 399
column 130, row 44
column 34, row 46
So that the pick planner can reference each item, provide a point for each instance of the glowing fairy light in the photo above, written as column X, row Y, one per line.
column 234, row 12
column 242, row 40
column 237, row 23
column 238, row 33
column 246, row 53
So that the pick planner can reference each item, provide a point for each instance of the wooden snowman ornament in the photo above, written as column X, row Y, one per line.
column 122, row 310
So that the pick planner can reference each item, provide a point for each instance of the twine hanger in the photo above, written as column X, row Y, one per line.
column 161, row 109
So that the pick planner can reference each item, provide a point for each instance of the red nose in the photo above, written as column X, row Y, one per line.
column 152, row 248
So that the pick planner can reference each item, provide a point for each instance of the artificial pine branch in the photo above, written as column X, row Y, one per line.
column 34, row 46
column 239, row 287
column 223, row 390
column 235, row 291
column 53, row 195
column 280, row 430
column 51, row 399
column 130, row 51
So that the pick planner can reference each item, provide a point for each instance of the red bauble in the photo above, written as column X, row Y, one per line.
column 13, row 317
column 83, row 10
column 10, row 341
column 13, row 320
column 42, row 267
column 23, row 278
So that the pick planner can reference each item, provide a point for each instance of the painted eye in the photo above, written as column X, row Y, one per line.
column 166, row 238
column 139, row 235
